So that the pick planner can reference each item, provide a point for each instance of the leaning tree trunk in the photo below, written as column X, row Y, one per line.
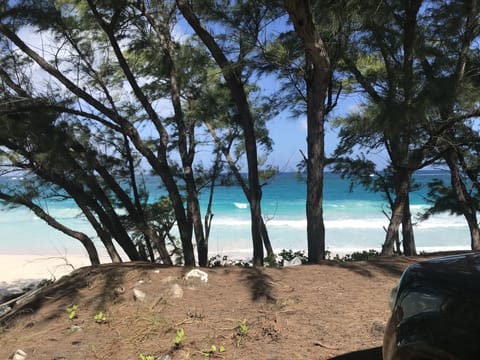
column 318, row 72
column 245, row 188
column 103, row 235
column 409, row 247
column 234, row 81
column 83, row 238
column 466, row 202
column 266, row 241
column 403, row 187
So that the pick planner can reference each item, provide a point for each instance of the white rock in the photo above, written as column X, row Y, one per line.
column 197, row 273
column 19, row 355
column 176, row 291
column 294, row 262
column 139, row 294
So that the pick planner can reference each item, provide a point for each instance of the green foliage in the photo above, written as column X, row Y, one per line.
column 271, row 260
column 100, row 318
column 444, row 199
column 243, row 329
column 219, row 261
column 358, row 256
column 72, row 312
column 179, row 338
column 214, row 351
column 146, row 357
column 289, row 255
column 242, row 332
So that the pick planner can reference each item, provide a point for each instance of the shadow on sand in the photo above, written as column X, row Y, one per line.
column 368, row 354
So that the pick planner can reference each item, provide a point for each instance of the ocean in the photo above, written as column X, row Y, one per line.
column 354, row 220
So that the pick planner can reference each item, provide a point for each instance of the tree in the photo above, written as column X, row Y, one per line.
column 243, row 15
column 31, row 143
column 462, row 196
column 94, row 36
column 318, row 74
column 397, row 58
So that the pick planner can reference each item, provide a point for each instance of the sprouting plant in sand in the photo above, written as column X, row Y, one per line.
column 243, row 329
column 177, row 341
column 242, row 332
column 72, row 311
column 214, row 351
column 147, row 357
column 100, row 318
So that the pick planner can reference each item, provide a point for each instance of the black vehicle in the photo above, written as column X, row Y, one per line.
column 436, row 311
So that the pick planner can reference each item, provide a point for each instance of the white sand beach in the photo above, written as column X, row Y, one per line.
column 21, row 270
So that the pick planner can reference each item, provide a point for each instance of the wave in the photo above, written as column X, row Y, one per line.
column 239, row 205
column 367, row 223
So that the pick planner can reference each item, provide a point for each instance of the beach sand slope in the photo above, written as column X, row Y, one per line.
column 334, row 310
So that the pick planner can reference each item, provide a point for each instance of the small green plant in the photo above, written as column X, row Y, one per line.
column 100, row 318
column 243, row 329
column 147, row 357
column 242, row 332
column 177, row 341
column 213, row 351
column 271, row 260
column 72, row 312
column 358, row 256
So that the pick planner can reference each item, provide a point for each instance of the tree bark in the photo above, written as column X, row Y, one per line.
column 466, row 202
column 318, row 73
column 403, row 187
column 409, row 247
column 103, row 234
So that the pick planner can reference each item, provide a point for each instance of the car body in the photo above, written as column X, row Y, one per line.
column 436, row 311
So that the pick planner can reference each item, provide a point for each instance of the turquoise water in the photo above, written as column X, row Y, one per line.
column 353, row 220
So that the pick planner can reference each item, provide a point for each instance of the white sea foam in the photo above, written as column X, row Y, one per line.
column 239, row 205
column 421, row 207
column 370, row 223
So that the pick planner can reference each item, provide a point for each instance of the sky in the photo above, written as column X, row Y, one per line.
column 290, row 135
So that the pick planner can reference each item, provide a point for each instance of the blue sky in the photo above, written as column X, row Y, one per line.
column 289, row 136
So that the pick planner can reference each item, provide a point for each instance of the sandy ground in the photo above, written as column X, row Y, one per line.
column 21, row 267
column 334, row 310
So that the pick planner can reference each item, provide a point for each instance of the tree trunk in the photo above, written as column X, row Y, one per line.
column 103, row 235
column 161, row 246
column 196, row 218
column 184, row 225
column 186, row 146
column 266, row 241
column 213, row 178
column 256, row 230
column 403, row 187
column 109, row 219
column 318, row 73
column 98, row 202
column 235, row 84
column 409, row 247
column 466, row 202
